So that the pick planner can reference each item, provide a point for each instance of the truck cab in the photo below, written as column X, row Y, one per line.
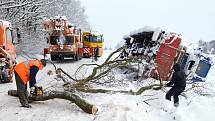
column 92, row 40
column 7, row 51
column 64, row 39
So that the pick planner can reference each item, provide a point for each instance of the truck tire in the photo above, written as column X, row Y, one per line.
column 86, row 55
column 5, row 78
column 77, row 58
column 80, row 56
column 54, row 57
column 61, row 58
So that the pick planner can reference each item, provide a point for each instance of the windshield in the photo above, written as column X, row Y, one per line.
column 10, row 35
column 100, row 38
column 86, row 38
column 67, row 40
column 54, row 40
column 93, row 38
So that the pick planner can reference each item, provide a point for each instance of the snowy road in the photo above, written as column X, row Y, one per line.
column 150, row 106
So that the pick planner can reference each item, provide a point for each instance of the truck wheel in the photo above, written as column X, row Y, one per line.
column 85, row 55
column 77, row 58
column 54, row 57
column 61, row 58
column 5, row 78
column 80, row 57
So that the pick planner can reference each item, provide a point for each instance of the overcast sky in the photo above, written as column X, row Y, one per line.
column 194, row 19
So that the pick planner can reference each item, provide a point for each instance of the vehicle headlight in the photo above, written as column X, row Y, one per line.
column 71, row 48
column 61, row 47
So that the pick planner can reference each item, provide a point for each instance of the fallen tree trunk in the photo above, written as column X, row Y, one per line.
column 85, row 106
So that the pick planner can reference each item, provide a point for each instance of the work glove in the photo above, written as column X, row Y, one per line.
column 36, row 91
column 33, row 91
column 26, row 106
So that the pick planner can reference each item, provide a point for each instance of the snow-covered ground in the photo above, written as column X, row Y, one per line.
column 150, row 106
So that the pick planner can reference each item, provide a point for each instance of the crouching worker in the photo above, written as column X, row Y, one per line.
column 24, row 72
column 178, row 84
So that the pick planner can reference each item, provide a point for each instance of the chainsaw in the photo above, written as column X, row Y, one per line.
column 38, row 91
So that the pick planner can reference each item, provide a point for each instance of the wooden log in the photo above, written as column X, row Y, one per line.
column 85, row 106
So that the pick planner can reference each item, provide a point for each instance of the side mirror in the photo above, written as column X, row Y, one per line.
column 15, row 41
column 69, row 26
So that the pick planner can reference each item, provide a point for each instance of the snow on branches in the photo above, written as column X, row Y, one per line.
column 27, row 15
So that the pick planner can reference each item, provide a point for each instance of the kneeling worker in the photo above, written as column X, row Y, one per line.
column 24, row 72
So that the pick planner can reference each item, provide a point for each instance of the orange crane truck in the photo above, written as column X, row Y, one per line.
column 7, row 52
column 64, row 39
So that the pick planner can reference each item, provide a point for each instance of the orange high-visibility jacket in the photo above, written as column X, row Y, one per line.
column 23, row 69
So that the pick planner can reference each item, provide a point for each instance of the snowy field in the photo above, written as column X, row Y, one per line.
column 150, row 106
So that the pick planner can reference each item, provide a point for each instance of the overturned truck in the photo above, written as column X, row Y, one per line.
column 161, row 50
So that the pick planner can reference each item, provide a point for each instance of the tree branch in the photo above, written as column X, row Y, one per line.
column 139, row 92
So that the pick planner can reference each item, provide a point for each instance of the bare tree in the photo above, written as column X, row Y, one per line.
column 27, row 15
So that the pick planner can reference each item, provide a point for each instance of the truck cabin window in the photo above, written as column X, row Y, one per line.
column 100, row 38
column 10, row 35
column 69, row 40
column 86, row 38
column 93, row 38
column 53, row 40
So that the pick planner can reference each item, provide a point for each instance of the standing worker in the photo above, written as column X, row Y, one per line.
column 96, row 53
column 24, row 72
column 178, row 84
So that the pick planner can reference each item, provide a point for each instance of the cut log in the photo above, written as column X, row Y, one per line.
column 85, row 106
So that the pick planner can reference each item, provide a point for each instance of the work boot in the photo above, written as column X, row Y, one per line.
column 176, row 104
column 26, row 105
column 22, row 97
column 30, row 101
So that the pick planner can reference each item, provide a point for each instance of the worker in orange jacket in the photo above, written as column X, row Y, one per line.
column 24, row 72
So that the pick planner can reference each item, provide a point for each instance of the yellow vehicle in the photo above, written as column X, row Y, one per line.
column 90, row 42
column 7, row 52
